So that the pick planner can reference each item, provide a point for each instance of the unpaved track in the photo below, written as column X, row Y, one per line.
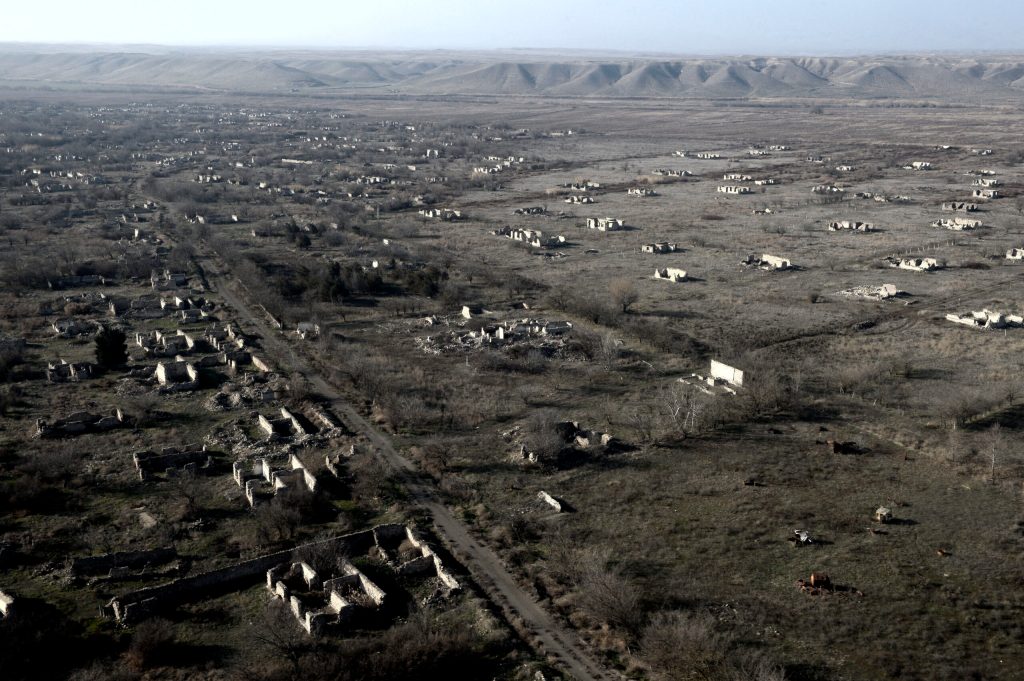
column 483, row 564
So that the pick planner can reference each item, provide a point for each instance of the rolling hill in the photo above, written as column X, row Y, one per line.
column 948, row 78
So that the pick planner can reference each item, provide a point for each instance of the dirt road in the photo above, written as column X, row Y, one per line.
column 486, row 568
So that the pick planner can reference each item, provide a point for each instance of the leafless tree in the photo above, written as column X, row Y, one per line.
column 623, row 293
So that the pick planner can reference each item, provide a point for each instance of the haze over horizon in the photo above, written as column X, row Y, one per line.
column 785, row 27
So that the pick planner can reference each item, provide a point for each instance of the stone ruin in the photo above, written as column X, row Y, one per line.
column 163, row 344
column 530, row 210
column 445, row 214
column 188, row 459
column 177, row 376
column 987, row 319
column 605, row 224
column 6, row 605
column 958, row 224
column 850, row 225
column 642, row 192
column 1015, row 254
column 569, row 432
column 64, row 371
column 721, row 380
column 960, row 206
column 660, row 247
column 545, row 335
column 286, row 425
column 826, row 189
column 767, row 262
column 734, row 189
column 986, row 194
column 307, row 330
column 550, row 501
column 70, row 328
column 987, row 182
column 246, row 391
column 262, row 480
column 577, row 199
column 143, row 307
column 914, row 264
column 168, row 281
column 78, row 423
column 883, row 292
column 398, row 546
column 670, row 274
column 349, row 595
column 533, row 237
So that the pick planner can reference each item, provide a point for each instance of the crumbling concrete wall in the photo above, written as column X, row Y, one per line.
column 726, row 373
column 670, row 274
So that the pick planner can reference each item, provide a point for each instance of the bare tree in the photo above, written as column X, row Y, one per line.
column 623, row 293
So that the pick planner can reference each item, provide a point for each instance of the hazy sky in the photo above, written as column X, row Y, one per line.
column 679, row 26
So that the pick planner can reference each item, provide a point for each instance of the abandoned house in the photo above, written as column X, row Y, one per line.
column 64, row 371
column 172, row 459
column 850, row 225
column 320, row 604
column 263, row 480
column 575, row 198
column 767, row 262
column 960, row 206
column 986, row 194
column 914, row 264
column 178, row 375
column 670, row 274
column 641, row 192
column 445, row 214
column 659, row 247
column 395, row 545
column 987, row 182
column 605, row 224
column 734, row 189
column 826, row 189
column 738, row 177
column 534, row 237
column 287, row 425
column 1015, row 254
column 958, row 224
column 69, row 328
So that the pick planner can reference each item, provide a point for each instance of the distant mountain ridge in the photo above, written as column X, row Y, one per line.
column 955, row 79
